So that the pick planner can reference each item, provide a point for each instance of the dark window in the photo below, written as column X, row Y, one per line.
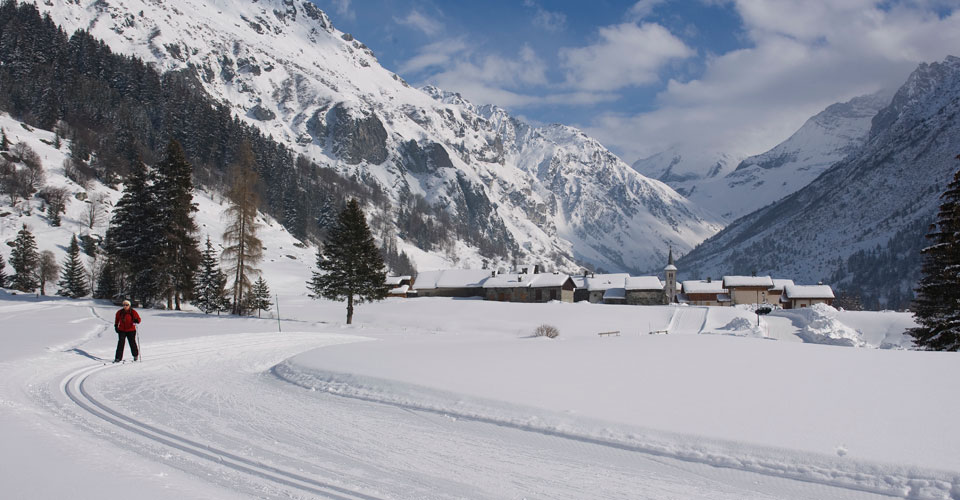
column 539, row 294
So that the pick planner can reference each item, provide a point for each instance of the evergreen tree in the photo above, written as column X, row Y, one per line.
column 3, row 272
column 134, row 239
column 350, row 262
column 73, row 278
column 244, row 249
column 25, row 261
column 48, row 270
column 178, row 254
column 260, row 296
column 4, row 142
column 210, row 293
column 107, row 286
column 937, row 305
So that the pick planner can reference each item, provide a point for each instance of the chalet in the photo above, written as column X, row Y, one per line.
column 704, row 293
column 798, row 296
column 748, row 289
column 399, row 286
column 645, row 291
column 529, row 287
column 451, row 283
column 775, row 293
column 598, row 284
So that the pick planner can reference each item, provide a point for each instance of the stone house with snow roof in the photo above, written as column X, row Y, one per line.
column 523, row 287
column 645, row 291
column 598, row 285
column 748, row 289
column 799, row 296
column 451, row 283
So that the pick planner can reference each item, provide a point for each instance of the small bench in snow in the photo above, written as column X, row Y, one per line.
column 617, row 333
column 658, row 332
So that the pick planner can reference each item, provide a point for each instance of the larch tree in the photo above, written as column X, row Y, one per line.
column 73, row 277
column 937, row 306
column 48, row 270
column 349, row 262
column 243, row 248
column 25, row 261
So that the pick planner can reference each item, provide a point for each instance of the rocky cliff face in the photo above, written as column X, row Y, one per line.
column 512, row 190
column 860, row 224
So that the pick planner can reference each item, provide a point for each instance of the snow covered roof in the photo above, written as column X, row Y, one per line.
column 396, row 280
column 737, row 281
column 615, row 294
column 400, row 290
column 643, row 283
column 451, row 278
column 525, row 280
column 809, row 292
column 702, row 286
column 781, row 284
column 599, row 282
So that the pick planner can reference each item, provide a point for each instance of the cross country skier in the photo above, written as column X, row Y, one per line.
column 125, row 324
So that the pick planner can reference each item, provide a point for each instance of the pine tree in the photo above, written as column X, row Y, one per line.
column 4, row 142
column 25, row 261
column 178, row 254
column 937, row 306
column 3, row 272
column 73, row 278
column 133, row 239
column 244, row 249
column 352, row 264
column 260, row 296
column 107, row 286
column 48, row 270
column 210, row 294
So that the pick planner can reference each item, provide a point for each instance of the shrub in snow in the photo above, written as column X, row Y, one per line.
column 548, row 331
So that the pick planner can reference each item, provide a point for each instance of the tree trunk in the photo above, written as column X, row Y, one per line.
column 350, row 309
column 176, row 300
column 169, row 301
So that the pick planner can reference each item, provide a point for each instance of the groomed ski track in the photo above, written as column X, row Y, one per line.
column 530, row 460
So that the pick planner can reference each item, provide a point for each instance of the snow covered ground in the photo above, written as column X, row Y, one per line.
column 447, row 398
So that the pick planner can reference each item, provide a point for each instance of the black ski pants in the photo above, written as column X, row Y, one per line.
column 131, row 338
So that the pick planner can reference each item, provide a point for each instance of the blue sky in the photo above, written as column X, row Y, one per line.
column 731, row 76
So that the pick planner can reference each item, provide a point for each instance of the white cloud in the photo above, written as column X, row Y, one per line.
column 545, row 19
column 625, row 55
column 343, row 9
column 805, row 55
column 642, row 9
column 420, row 21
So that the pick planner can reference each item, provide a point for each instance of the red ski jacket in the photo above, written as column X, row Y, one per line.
column 126, row 321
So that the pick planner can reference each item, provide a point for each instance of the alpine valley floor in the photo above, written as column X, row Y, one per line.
column 444, row 398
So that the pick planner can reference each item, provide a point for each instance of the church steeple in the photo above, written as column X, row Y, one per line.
column 670, row 273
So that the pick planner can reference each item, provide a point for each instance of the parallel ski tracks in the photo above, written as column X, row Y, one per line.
column 73, row 387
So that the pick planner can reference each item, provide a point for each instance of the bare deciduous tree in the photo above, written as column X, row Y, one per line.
column 243, row 249
column 96, row 210
column 49, row 269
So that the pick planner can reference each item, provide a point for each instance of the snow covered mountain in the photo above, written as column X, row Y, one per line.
column 860, row 224
column 551, row 194
column 713, row 183
column 684, row 169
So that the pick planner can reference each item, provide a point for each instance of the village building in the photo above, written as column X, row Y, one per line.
column 646, row 291
column 451, row 283
column 704, row 293
column 399, row 286
column 670, row 274
column 523, row 287
column 798, row 296
column 597, row 285
column 775, row 293
column 748, row 289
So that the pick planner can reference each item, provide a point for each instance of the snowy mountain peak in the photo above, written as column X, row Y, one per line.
column 508, row 190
